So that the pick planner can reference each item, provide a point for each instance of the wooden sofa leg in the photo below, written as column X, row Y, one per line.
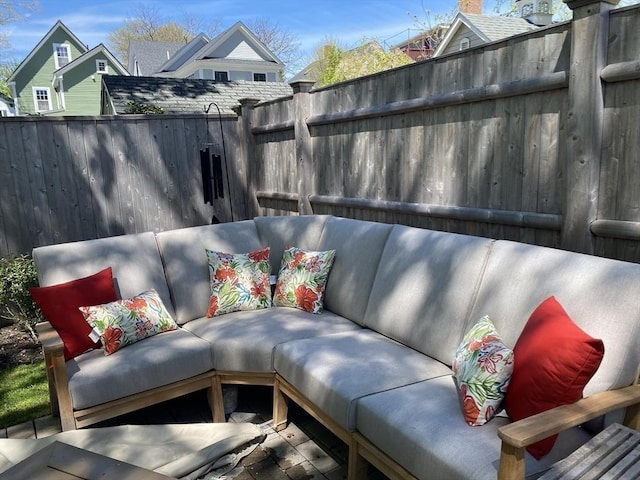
column 357, row 466
column 512, row 466
column 63, row 402
column 216, row 401
column 280, row 407
column 51, row 379
column 632, row 417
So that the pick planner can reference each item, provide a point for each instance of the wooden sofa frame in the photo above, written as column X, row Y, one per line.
column 515, row 436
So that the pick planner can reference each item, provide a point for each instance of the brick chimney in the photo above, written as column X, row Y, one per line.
column 470, row 6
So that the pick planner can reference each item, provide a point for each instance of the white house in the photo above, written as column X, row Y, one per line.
column 235, row 54
column 7, row 108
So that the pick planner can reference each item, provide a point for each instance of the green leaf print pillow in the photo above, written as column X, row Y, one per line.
column 239, row 281
column 302, row 279
column 128, row 321
column 482, row 367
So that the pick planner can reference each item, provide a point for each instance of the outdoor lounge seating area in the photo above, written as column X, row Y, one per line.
column 375, row 364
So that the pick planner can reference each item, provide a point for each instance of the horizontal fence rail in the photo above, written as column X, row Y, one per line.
column 483, row 215
column 545, row 83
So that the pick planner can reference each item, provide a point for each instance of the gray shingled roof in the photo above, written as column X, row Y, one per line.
column 150, row 55
column 184, row 95
column 497, row 28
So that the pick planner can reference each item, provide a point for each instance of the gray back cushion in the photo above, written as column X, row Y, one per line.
column 134, row 258
column 602, row 296
column 302, row 231
column 424, row 288
column 358, row 245
column 185, row 260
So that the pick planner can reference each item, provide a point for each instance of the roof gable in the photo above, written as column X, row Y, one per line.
column 239, row 43
column 146, row 57
column 487, row 28
column 184, row 54
column 87, row 56
column 44, row 43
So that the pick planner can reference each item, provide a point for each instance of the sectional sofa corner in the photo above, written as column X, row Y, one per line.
column 374, row 367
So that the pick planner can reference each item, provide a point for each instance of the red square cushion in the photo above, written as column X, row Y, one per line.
column 60, row 306
column 553, row 361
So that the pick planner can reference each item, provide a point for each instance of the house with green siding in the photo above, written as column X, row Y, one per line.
column 62, row 76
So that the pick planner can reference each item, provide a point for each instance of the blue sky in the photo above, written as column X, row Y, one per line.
column 311, row 22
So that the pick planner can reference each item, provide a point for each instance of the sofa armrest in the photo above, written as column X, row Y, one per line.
column 49, row 338
column 59, row 396
column 518, row 435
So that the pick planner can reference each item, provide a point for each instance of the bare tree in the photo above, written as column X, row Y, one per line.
column 148, row 24
column 281, row 43
column 12, row 11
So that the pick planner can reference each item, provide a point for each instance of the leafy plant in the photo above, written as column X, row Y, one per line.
column 143, row 108
column 16, row 304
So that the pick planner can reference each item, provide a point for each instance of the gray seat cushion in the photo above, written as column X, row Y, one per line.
column 358, row 245
column 421, row 426
column 135, row 260
column 244, row 341
column 425, row 287
column 185, row 260
column 333, row 371
column 153, row 362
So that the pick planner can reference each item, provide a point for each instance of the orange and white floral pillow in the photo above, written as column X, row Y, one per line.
column 302, row 279
column 127, row 321
column 239, row 281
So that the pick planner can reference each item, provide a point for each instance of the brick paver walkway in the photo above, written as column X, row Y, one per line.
column 304, row 450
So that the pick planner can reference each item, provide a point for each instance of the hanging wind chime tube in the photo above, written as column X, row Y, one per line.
column 211, row 164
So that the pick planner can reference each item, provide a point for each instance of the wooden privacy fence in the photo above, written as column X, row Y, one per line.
column 534, row 138
column 76, row 178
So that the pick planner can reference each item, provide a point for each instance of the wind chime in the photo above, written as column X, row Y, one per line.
column 211, row 166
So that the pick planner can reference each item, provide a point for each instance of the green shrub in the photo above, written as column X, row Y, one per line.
column 143, row 108
column 16, row 304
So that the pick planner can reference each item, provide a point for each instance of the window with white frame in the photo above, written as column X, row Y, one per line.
column 464, row 43
column 259, row 77
column 61, row 54
column 102, row 66
column 527, row 9
column 41, row 99
column 221, row 76
column 544, row 7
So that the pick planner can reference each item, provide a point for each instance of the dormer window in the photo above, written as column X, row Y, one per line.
column 464, row 43
column 102, row 66
column 61, row 54
column 544, row 7
column 527, row 9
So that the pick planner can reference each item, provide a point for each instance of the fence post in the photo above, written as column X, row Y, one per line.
column 304, row 149
column 589, row 39
column 246, row 155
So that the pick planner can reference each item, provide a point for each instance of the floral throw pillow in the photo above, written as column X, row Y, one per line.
column 302, row 279
column 239, row 281
column 482, row 367
column 128, row 321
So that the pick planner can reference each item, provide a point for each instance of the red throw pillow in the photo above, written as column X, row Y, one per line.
column 60, row 305
column 553, row 361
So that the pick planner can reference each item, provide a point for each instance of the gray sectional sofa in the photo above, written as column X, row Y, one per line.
column 375, row 366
